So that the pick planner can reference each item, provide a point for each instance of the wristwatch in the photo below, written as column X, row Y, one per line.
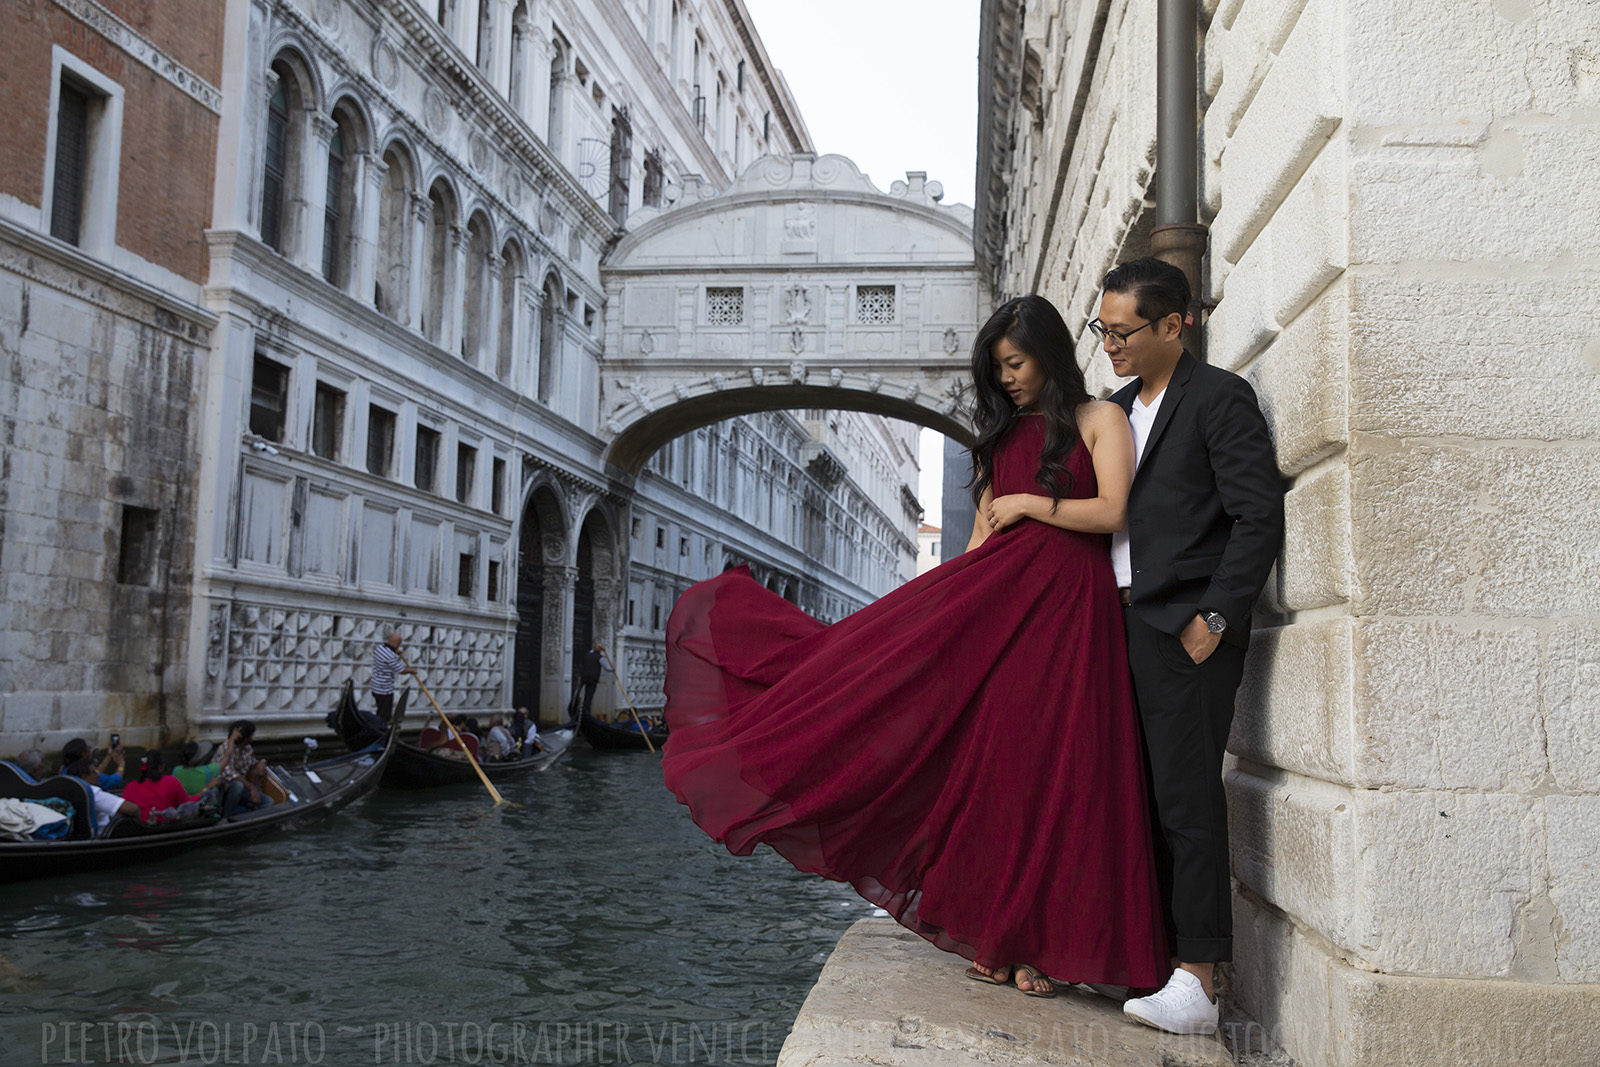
column 1214, row 621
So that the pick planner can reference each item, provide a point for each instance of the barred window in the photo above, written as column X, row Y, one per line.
column 725, row 307
column 875, row 304
column 72, row 163
column 273, row 168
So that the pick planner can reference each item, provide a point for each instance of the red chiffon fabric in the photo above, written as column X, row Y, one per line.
column 964, row 751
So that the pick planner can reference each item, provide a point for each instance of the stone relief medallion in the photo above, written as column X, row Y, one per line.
column 797, row 340
column 514, row 186
column 951, row 341
column 436, row 112
column 722, row 346
column 647, row 343
column 575, row 248
column 547, row 219
column 328, row 15
column 480, row 153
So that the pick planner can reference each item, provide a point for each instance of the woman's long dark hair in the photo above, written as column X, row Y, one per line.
column 151, row 766
column 1035, row 327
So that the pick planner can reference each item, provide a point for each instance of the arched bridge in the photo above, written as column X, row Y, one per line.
column 800, row 286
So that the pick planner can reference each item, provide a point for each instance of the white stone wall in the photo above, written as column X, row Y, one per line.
column 1402, row 225
column 490, row 333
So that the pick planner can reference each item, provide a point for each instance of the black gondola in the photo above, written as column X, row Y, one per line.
column 418, row 767
column 610, row 735
column 300, row 795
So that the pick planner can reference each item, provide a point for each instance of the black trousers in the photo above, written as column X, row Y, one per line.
column 1186, row 710
column 384, row 702
column 582, row 688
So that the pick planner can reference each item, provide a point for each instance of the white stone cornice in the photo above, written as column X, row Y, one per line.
column 97, row 17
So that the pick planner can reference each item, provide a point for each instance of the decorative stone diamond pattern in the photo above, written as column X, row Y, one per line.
column 725, row 307
column 647, row 675
column 268, row 660
column 875, row 305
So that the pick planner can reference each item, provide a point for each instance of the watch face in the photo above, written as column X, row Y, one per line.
column 1216, row 623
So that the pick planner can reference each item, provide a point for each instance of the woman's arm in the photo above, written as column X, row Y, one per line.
column 980, row 521
column 1109, row 438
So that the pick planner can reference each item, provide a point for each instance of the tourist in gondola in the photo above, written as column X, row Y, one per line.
column 156, row 792
column 964, row 751
column 239, row 781
column 193, row 772
column 498, row 743
column 106, row 803
column 31, row 763
column 105, row 777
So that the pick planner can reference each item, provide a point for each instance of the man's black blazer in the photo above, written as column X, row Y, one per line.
column 1205, row 514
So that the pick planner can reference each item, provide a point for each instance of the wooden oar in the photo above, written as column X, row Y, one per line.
column 484, row 778
column 642, row 731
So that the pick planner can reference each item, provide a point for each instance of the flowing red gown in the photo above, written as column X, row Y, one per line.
column 964, row 751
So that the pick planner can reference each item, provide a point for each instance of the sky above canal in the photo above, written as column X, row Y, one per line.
column 893, row 85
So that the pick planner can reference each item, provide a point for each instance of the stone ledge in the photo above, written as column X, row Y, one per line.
column 887, row 997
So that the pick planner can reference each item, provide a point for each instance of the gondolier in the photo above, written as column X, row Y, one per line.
column 589, row 667
column 385, row 665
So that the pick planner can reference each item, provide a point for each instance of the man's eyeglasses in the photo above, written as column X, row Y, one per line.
column 1116, row 338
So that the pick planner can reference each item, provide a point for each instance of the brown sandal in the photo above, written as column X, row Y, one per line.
column 989, row 977
column 1033, row 975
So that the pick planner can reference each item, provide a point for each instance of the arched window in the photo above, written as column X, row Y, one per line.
column 276, row 159
column 475, row 294
column 337, row 211
column 549, row 337
column 555, row 124
column 441, row 216
column 520, row 31
column 510, row 307
column 392, row 287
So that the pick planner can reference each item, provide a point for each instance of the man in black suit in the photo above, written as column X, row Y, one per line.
column 1205, row 521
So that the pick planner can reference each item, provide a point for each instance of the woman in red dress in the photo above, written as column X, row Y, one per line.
column 964, row 751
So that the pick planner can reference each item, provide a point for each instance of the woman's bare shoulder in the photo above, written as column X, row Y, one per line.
column 1101, row 414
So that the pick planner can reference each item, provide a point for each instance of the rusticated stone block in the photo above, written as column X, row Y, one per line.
column 1315, row 566
column 1290, row 118
column 1570, row 682
column 1464, row 377
column 1574, row 831
column 1325, row 1013
column 1294, row 707
column 1442, row 705
column 1499, row 519
column 1300, row 381
column 1422, row 882
column 1499, row 58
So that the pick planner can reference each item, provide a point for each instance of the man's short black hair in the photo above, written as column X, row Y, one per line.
column 1159, row 289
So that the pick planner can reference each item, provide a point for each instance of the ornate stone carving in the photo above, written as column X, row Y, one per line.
column 951, row 341
column 647, row 342
column 797, row 306
column 797, row 372
column 797, row 340
column 835, row 376
column 800, row 222
column 385, row 61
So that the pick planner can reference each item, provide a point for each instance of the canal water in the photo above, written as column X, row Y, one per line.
column 590, row 923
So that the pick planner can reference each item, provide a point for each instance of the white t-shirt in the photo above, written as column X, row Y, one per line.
column 1141, row 418
column 105, row 805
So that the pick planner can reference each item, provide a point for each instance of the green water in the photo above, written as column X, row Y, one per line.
column 592, row 923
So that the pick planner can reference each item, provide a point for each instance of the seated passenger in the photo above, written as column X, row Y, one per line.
column 500, row 745
column 241, row 774
column 155, row 792
column 106, row 804
column 78, row 748
column 193, row 773
column 31, row 763
column 526, row 731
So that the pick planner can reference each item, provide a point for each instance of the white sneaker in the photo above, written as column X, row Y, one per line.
column 1181, row 1007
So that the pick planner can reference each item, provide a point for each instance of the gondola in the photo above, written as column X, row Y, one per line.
column 423, row 763
column 610, row 735
column 300, row 795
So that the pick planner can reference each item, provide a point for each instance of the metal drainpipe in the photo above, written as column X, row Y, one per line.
column 1178, row 236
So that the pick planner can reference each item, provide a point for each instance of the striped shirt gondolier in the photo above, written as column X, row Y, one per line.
column 385, row 662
